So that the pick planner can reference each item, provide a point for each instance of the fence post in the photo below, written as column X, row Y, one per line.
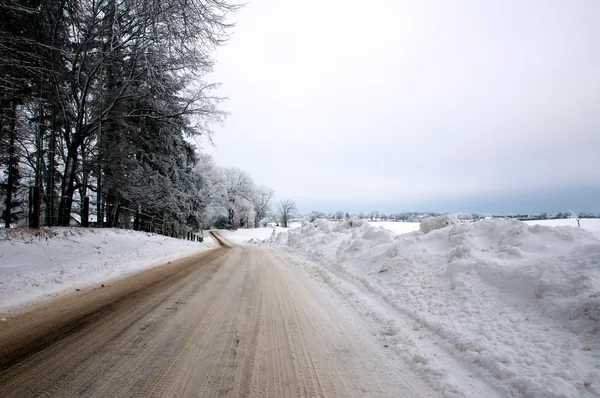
column 34, row 207
column 136, row 221
column 85, row 221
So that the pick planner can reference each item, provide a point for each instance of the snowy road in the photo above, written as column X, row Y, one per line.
column 236, row 322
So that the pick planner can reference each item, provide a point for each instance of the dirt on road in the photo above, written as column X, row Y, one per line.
column 236, row 321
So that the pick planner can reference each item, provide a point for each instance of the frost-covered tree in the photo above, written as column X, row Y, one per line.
column 245, row 213
column 261, row 200
column 10, row 153
column 316, row 215
column 210, row 185
column 239, row 189
column 111, row 89
column 287, row 209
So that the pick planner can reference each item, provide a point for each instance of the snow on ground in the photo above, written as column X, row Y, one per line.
column 397, row 227
column 495, row 307
column 35, row 266
column 591, row 224
column 251, row 235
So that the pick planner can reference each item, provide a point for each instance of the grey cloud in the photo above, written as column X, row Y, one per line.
column 428, row 101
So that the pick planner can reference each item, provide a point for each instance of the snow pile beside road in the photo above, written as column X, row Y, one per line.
column 37, row 265
column 251, row 235
column 517, row 304
column 398, row 227
column 433, row 223
column 590, row 224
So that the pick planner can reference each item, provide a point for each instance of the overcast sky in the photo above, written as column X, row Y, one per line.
column 400, row 105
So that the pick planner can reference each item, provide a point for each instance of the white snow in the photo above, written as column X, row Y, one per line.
column 432, row 223
column 36, row 266
column 397, row 227
column 495, row 307
column 590, row 224
column 250, row 235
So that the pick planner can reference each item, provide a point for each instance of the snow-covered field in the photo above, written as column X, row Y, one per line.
column 496, row 307
column 36, row 266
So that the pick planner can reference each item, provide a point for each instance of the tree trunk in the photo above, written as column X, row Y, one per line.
column 99, row 199
column 49, row 198
column 40, row 147
column 12, row 168
column 231, row 217
column 68, row 187
column 117, row 212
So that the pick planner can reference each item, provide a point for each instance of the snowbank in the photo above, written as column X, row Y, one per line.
column 590, row 224
column 433, row 223
column 399, row 227
column 35, row 266
column 517, row 304
column 251, row 235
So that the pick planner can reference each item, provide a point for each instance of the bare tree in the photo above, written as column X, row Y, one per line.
column 287, row 208
column 238, row 187
column 261, row 200
column 314, row 215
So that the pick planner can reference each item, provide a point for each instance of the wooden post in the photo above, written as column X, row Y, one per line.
column 85, row 221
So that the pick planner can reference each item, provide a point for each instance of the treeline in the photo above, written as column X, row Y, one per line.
column 419, row 216
column 382, row 216
column 96, row 100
